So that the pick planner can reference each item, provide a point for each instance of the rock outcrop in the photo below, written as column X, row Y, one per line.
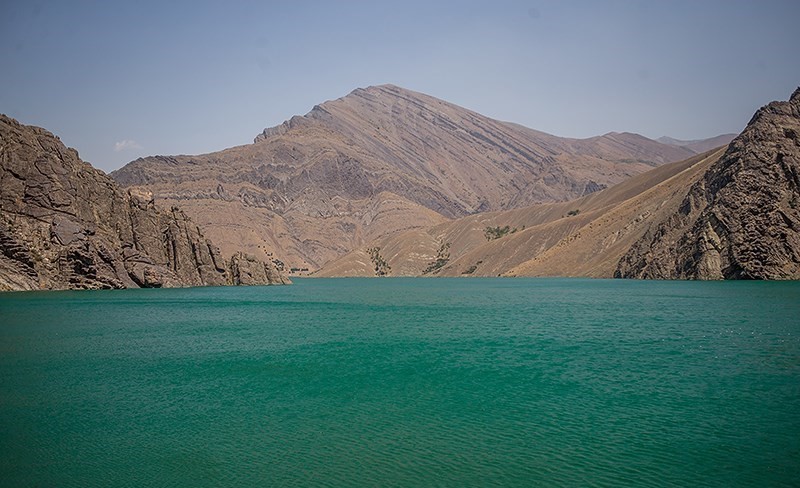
column 742, row 219
column 66, row 225
column 248, row 270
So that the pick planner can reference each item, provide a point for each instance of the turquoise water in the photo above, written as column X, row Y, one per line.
column 404, row 382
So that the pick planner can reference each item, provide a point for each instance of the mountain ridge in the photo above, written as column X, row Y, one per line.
column 729, row 213
column 522, row 234
column 699, row 145
column 304, row 188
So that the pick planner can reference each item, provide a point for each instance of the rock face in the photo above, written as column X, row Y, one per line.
column 66, row 225
column 742, row 219
column 378, row 161
column 247, row 270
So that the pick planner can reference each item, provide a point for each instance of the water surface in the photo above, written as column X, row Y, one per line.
column 404, row 382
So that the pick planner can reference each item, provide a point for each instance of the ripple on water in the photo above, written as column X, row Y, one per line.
column 405, row 382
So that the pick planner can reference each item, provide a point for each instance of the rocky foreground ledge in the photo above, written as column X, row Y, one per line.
column 66, row 225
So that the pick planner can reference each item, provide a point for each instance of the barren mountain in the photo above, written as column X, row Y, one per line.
column 699, row 145
column 494, row 243
column 377, row 162
column 741, row 220
column 64, row 224
column 729, row 213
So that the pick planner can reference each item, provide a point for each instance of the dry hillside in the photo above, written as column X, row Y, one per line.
column 730, row 213
column 494, row 243
column 376, row 162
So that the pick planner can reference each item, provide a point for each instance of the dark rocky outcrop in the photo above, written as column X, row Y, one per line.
column 66, row 225
column 742, row 219
column 247, row 270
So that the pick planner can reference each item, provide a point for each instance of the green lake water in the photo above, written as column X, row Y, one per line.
column 404, row 382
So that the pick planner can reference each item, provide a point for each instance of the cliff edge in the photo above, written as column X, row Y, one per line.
column 742, row 219
column 66, row 225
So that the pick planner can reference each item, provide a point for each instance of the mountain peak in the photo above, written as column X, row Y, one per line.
column 384, row 87
column 378, row 91
column 374, row 94
column 386, row 92
column 698, row 145
column 378, row 160
column 374, row 105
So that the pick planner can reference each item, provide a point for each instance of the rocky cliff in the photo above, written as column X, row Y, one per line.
column 66, row 225
column 742, row 219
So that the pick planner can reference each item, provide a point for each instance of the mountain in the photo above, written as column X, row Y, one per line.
column 729, row 213
column 740, row 220
column 66, row 225
column 494, row 243
column 379, row 161
column 699, row 145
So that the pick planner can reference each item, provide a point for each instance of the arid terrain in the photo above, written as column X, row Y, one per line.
column 377, row 162
column 389, row 182
column 66, row 225
column 730, row 213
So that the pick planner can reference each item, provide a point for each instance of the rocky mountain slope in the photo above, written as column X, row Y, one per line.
column 741, row 220
column 376, row 162
column 728, row 213
column 66, row 225
column 494, row 243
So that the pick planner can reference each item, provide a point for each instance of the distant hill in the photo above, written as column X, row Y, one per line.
column 731, row 213
column 376, row 162
column 66, row 225
column 699, row 145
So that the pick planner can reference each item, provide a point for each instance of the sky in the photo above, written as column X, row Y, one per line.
column 122, row 80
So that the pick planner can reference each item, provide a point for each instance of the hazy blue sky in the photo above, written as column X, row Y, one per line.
column 119, row 80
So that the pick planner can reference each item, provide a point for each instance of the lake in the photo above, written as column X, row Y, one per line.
column 404, row 382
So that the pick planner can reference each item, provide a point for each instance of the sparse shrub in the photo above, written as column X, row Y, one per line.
column 472, row 268
column 382, row 268
column 492, row 233
column 442, row 258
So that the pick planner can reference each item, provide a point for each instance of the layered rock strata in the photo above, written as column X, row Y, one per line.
column 742, row 219
column 66, row 225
